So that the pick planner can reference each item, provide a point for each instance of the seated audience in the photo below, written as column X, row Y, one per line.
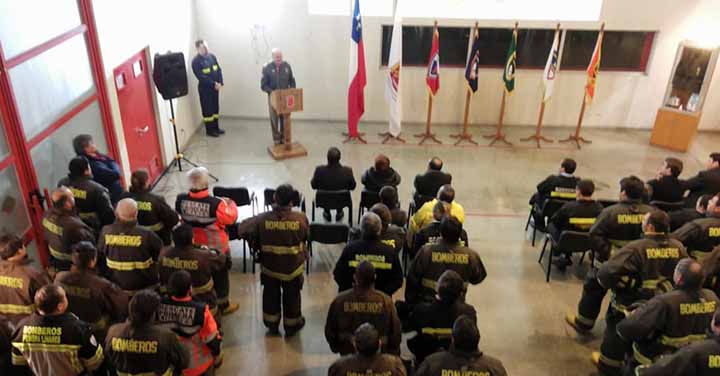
column 560, row 186
column 92, row 298
column 389, row 197
column 706, row 182
column 424, row 215
column 667, row 187
column 428, row 183
column 127, row 346
column 193, row 323
column 153, row 211
column 431, row 232
column 362, row 304
column 369, row 248
column 63, row 228
column 333, row 177
column 433, row 321
column 702, row 235
column 23, row 280
column 91, row 199
column 463, row 357
column 683, row 216
column 367, row 360
column 390, row 234
column 380, row 175
column 104, row 169
column 62, row 345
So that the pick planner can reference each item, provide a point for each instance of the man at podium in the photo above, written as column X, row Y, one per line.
column 276, row 74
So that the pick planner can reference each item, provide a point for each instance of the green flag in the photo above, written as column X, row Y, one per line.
column 509, row 73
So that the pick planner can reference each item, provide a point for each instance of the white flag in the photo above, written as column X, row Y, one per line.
column 551, row 67
column 392, row 79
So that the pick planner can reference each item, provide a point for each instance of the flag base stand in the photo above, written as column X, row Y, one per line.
column 498, row 136
column 427, row 136
column 577, row 140
column 537, row 138
column 387, row 136
column 359, row 138
column 464, row 137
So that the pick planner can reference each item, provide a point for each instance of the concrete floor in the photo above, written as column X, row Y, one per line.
column 519, row 315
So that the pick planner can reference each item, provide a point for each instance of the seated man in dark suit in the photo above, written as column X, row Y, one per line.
column 680, row 217
column 333, row 177
column 427, row 184
column 560, row 186
column 389, row 197
column 705, row 182
column 576, row 215
column 667, row 187
column 380, row 175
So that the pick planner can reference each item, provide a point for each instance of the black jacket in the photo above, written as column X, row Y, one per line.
column 273, row 79
column 433, row 323
column 384, row 258
column 700, row 235
column 455, row 362
column 667, row 188
column 429, row 183
column 155, row 214
column 680, row 217
column 92, row 201
column 704, row 183
column 333, row 177
column 374, row 180
column 563, row 186
column 697, row 359
column 207, row 70
column 575, row 209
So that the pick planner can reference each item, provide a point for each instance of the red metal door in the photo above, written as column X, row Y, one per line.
column 132, row 82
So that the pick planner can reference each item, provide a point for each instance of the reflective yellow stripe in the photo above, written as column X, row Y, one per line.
column 429, row 283
column 19, row 360
column 282, row 276
column 168, row 372
column 582, row 221
column 563, row 194
column 642, row 359
column 216, row 116
column 292, row 322
column 156, row 227
column 87, row 215
column 204, row 288
column 215, row 67
column 282, row 250
column 45, row 347
column 129, row 265
column 376, row 264
column 17, row 309
column 650, row 284
column 584, row 320
column 60, row 255
column 437, row 331
column 611, row 362
column 209, row 118
column 206, row 70
column 681, row 341
column 699, row 255
column 271, row 318
column 94, row 362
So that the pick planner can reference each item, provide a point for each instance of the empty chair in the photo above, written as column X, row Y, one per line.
column 242, row 197
column 569, row 242
column 333, row 200
column 367, row 200
column 547, row 211
column 326, row 233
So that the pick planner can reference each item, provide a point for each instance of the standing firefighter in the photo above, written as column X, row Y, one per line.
column 208, row 216
column 210, row 81
column 280, row 237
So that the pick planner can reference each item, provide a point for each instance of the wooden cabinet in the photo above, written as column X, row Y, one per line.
column 674, row 129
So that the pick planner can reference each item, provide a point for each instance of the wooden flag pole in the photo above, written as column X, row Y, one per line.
column 499, row 135
column 537, row 137
column 387, row 136
column 428, row 135
column 465, row 136
column 358, row 138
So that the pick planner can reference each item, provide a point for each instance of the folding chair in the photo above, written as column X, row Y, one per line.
column 242, row 197
column 333, row 200
column 325, row 233
column 570, row 241
column 547, row 211
column 416, row 203
column 668, row 206
column 268, row 200
column 367, row 200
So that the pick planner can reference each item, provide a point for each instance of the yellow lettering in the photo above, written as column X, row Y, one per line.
column 123, row 240
column 144, row 205
column 701, row 308
column 390, row 242
column 363, row 307
column 714, row 361
column 133, row 346
column 714, row 232
column 662, row 253
column 282, row 225
column 14, row 283
column 177, row 263
column 630, row 219
column 450, row 258
column 79, row 193
column 42, row 334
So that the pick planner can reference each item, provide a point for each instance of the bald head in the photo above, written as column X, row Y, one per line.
column 277, row 55
column 370, row 225
column 199, row 178
column 127, row 210
column 688, row 274
column 446, row 193
column 62, row 197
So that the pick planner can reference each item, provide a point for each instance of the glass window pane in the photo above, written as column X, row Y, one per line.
column 50, row 84
column 51, row 157
column 32, row 251
column 4, row 150
column 13, row 214
column 28, row 23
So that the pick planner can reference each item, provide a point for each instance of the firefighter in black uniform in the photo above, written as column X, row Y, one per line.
column 672, row 320
column 701, row 358
column 92, row 298
column 139, row 346
column 392, row 235
column 362, row 304
column 614, row 228
column 463, row 358
column 383, row 257
column 63, row 228
column 210, row 80
column 680, row 217
column 91, row 199
column 53, row 341
column 368, row 360
column 637, row 272
column 130, row 251
column 431, row 232
column 153, row 211
column 560, row 187
column 702, row 235
column 20, row 280
column 434, row 259
column 193, row 323
column 201, row 263
column 280, row 237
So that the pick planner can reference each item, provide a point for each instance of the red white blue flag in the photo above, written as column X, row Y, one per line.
column 356, row 88
column 433, row 72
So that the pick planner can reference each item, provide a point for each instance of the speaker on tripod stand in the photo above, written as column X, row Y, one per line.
column 170, row 77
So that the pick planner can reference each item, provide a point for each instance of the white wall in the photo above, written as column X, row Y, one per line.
column 317, row 47
column 124, row 29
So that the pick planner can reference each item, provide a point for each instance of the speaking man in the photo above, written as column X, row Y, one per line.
column 276, row 74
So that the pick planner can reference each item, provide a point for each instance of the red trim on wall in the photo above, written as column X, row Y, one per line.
column 62, row 120
column 647, row 48
column 37, row 50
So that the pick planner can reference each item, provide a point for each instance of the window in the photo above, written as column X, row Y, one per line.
column 532, row 49
column 418, row 39
column 621, row 50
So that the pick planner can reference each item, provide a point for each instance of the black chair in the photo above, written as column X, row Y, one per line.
column 326, row 233
column 606, row 203
column 268, row 200
column 416, row 203
column 547, row 211
column 668, row 206
column 570, row 241
column 333, row 200
column 242, row 197
column 367, row 200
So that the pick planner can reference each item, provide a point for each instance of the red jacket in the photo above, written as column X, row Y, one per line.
column 208, row 216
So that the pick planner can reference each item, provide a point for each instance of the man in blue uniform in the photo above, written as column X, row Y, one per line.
column 210, row 81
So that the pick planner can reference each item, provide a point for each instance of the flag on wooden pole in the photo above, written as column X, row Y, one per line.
column 551, row 67
column 510, row 62
column 473, row 63
column 356, row 88
column 594, row 68
column 433, row 69
column 392, row 80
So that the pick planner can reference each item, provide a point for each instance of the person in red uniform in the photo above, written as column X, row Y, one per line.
column 209, row 216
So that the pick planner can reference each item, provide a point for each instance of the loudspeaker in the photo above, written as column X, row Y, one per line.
column 170, row 75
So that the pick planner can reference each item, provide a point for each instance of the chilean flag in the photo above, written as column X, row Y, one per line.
column 356, row 88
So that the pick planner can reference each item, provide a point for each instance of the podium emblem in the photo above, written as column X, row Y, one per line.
column 290, row 101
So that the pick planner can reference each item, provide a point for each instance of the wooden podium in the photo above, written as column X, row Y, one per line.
column 674, row 129
column 284, row 102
